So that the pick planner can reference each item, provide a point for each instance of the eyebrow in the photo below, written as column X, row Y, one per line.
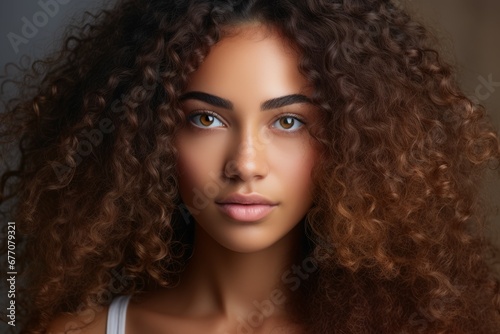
column 226, row 104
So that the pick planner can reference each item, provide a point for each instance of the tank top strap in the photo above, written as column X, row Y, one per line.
column 117, row 313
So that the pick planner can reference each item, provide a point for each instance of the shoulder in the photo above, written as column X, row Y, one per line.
column 90, row 321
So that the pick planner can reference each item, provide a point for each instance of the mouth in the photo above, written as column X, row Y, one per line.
column 246, row 212
column 246, row 207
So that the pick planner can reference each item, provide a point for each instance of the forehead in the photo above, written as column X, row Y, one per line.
column 251, row 65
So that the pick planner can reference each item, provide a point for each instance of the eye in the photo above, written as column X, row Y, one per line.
column 205, row 120
column 288, row 123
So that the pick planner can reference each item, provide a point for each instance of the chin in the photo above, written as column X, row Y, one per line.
column 246, row 247
column 249, row 238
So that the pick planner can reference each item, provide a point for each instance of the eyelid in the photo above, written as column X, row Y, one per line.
column 206, row 112
column 292, row 115
column 222, row 120
column 287, row 114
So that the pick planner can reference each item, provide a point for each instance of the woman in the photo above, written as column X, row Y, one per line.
column 252, row 167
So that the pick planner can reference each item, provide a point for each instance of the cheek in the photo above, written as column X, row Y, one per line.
column 197, row 159
column 293, row 164
column 199, row 166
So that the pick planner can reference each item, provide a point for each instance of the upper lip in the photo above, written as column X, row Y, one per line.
column 236, row 198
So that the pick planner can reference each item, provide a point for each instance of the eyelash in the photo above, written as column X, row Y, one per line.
column 211, row 113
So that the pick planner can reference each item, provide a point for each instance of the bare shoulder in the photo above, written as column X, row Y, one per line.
column 90, row 321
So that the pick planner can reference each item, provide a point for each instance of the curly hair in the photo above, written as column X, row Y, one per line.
column 397, row 226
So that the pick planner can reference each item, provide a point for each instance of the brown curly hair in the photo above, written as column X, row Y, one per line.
column 397, row 226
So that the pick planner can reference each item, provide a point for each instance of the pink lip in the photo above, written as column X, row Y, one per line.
column 254, row 198
column 246, row 212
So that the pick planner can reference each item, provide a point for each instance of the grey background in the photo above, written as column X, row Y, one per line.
column 468, row 31
column 48, row 36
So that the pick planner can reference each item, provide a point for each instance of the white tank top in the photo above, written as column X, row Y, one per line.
column 117, row 314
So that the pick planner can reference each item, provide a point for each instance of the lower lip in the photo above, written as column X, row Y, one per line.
column 247, row 213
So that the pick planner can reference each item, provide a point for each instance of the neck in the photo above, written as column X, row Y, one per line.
column 232, row 284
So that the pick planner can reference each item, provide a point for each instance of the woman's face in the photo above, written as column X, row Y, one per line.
column 247, row 134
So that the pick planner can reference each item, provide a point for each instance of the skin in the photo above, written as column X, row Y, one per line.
column 242, row 149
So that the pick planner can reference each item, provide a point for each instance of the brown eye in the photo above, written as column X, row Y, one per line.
column 205, row 120
column 287, row 122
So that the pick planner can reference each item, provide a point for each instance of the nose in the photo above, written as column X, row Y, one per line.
column 247, row 158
